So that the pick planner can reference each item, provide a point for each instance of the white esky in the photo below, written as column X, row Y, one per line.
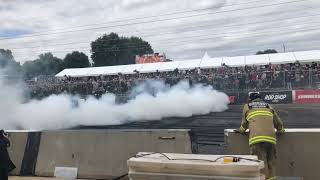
column 223, row 30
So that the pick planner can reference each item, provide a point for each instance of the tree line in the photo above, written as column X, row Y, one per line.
column 107, row 50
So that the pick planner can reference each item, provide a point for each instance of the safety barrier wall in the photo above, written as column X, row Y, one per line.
column 280, row 97
column 272, row 97
column 297, row 151
column 17, row 149
column 98, row 154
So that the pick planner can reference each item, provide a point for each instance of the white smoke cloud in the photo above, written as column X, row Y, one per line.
column 66, row 111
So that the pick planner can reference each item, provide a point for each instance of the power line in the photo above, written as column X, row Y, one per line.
column 228, row 26
column 86, row 47
column 204, row 37
column 251, row 33
column 145, row 22
column 141, row 47
column 152, row 16
column 241, row 49
column 258, row 47
column 214, row 24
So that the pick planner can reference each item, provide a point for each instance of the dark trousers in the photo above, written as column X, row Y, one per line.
column 3, row 174
column 267, row 153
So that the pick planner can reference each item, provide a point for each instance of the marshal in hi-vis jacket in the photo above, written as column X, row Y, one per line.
column 261, row 120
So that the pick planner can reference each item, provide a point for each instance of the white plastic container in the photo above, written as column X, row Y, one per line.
column 155, row 166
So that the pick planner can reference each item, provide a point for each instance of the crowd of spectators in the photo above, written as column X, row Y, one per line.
column 225, row 78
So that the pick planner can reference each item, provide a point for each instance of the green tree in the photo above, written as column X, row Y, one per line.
column 110, row 50
column 46, row 64
column 268, row 51
column 7, row 61
column 76, row 59
column 5, row 57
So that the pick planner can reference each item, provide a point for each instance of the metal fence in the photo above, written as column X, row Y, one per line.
column 268, row 80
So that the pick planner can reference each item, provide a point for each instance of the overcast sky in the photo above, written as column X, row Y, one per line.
column 183, row 29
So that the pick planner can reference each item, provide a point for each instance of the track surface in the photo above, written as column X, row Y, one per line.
column 208, row 129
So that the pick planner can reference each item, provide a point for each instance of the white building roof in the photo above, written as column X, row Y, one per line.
column 307, row 56
column 257, row 59
column 189, row 64
column 150, row 67
column 205, row 62
column 210, row 63
column 280, row 58
column 169, row 66
column 129, row 69
column 234, row 61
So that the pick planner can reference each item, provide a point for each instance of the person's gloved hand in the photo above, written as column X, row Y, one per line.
column 279, row 133
column 236, row 131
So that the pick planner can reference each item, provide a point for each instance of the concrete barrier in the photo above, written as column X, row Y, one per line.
column 16, row 151
column 102, row 154
column 297, row 151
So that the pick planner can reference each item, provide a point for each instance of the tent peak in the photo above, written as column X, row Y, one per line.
column 206, row 56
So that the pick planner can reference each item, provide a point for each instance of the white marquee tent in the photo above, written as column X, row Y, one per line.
column 205, row 62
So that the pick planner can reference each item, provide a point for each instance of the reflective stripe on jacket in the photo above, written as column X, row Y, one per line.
column 261, row 120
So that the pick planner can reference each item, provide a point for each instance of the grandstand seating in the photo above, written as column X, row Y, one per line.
column 260, row 72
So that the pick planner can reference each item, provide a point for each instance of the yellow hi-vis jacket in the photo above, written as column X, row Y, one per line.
column 261, row 120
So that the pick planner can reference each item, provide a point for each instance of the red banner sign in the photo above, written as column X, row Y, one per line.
column 232, row 99
column 150, row 58
column 307, row 96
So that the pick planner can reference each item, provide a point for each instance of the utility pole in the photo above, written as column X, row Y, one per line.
column 284, row 47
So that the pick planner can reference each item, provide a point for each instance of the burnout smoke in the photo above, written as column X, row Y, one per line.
column 152, row 100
